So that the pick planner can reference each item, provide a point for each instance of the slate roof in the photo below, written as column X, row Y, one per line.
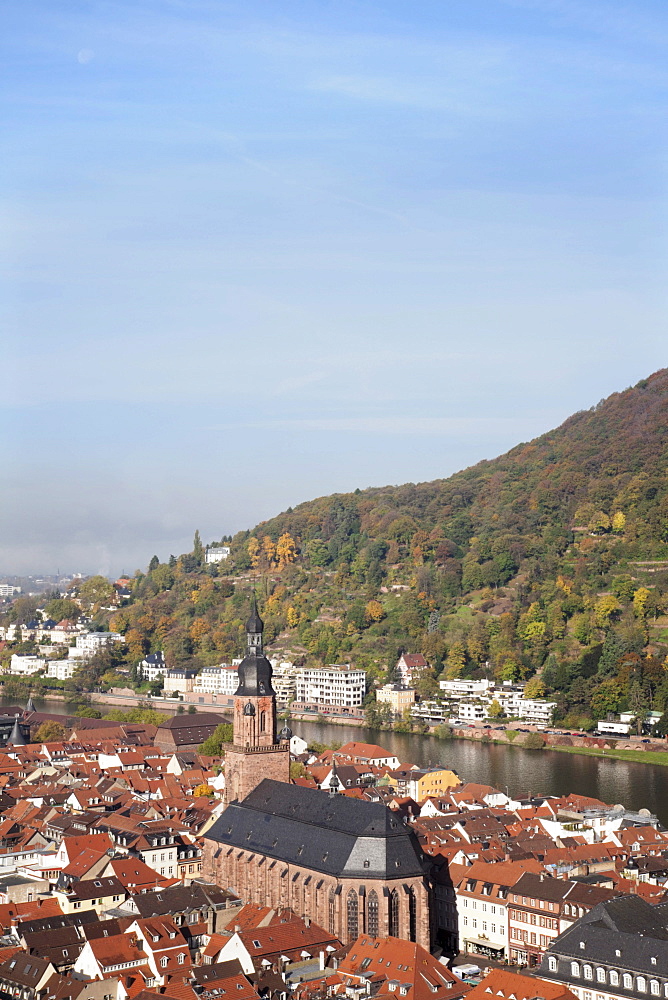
column 334, row 835
column 625, row 933
column 181, row 899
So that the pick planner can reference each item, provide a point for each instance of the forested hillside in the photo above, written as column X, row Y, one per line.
column 545, row 564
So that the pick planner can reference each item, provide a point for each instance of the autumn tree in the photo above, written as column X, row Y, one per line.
column 534, row 688
column 204, row 791
column 618, row 522
column 374, row 612
column 50, row 732
column 253, row 549
column 455, row 661
column 494, row 710
column 286, row 550
column 96, row 592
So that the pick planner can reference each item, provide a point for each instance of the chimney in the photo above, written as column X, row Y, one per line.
column 307, row 921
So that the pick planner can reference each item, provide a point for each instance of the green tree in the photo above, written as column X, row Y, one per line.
column 63, row 607
column 198, row 549
column 96, row 592
column 494, row 711
column 213, row 746
column 534, row 741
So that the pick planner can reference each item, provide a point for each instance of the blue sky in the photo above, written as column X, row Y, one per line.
column 258, row 252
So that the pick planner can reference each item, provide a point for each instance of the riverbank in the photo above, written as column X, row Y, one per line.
column 637, row 756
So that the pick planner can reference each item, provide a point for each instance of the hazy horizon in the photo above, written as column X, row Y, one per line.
column 259, row 253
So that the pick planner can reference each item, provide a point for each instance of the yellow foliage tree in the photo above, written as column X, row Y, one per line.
column 137, row 644
column 534, row 688
column 640, row 599
column 286, row 550
column 564, row 584
column 198, row 630
column 374, row 611
column 253, row 549
column 455, row 661
column 204, row 790
column 293, row 617
column 605, row 608
column 618, row 522
column 268, row 550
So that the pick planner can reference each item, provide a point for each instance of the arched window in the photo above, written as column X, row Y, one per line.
column 655, row 988
column 587, row 971
column 332, row 912
column 412, row 916
column 372, row 914
column 628, row 981
column 641, row 984
column 552, row 963
column 263, row 721
column 614, row 978
column 600, row 975
column 352, row 908
column 394, row 914
column 575, row 969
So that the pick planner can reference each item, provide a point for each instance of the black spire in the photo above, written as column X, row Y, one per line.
column 255, row 669
column 254, row 630
column 16, row 737
column 334, row 783
column 30, row 707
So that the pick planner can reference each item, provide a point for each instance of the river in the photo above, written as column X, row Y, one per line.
column 546, row 772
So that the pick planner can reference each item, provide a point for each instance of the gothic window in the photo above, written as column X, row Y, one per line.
column 372, row 914
column 412, row 917
column 332, row 912
column 352, row 909
column 394, row 914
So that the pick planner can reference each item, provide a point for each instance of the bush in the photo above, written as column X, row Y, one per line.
column 534, row 741
column 511, row 734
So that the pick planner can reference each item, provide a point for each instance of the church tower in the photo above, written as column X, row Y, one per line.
column 257, row 752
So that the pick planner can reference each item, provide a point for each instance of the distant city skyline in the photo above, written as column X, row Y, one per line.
column 259, row 253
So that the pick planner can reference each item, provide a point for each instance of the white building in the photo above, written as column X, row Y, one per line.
column 6, row 590
column 61, row 670
column 217, row 554
column 537, row 710
column 25, row 664
column 339, row 686
column 153, row 666
column 284, row 681
column 217, row 680
column 90, row 642
column 463, row 688
column 179, row 681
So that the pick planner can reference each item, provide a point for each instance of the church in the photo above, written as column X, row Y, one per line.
column 351, row 866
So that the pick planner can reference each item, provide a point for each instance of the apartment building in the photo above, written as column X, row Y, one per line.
column 397, row 696
column 334, row 687
column 90, row 642
column 482, row 892
column 284, row 680
column 25, row 664
column 221, row 680
column 61, row 670
column 540, row 908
